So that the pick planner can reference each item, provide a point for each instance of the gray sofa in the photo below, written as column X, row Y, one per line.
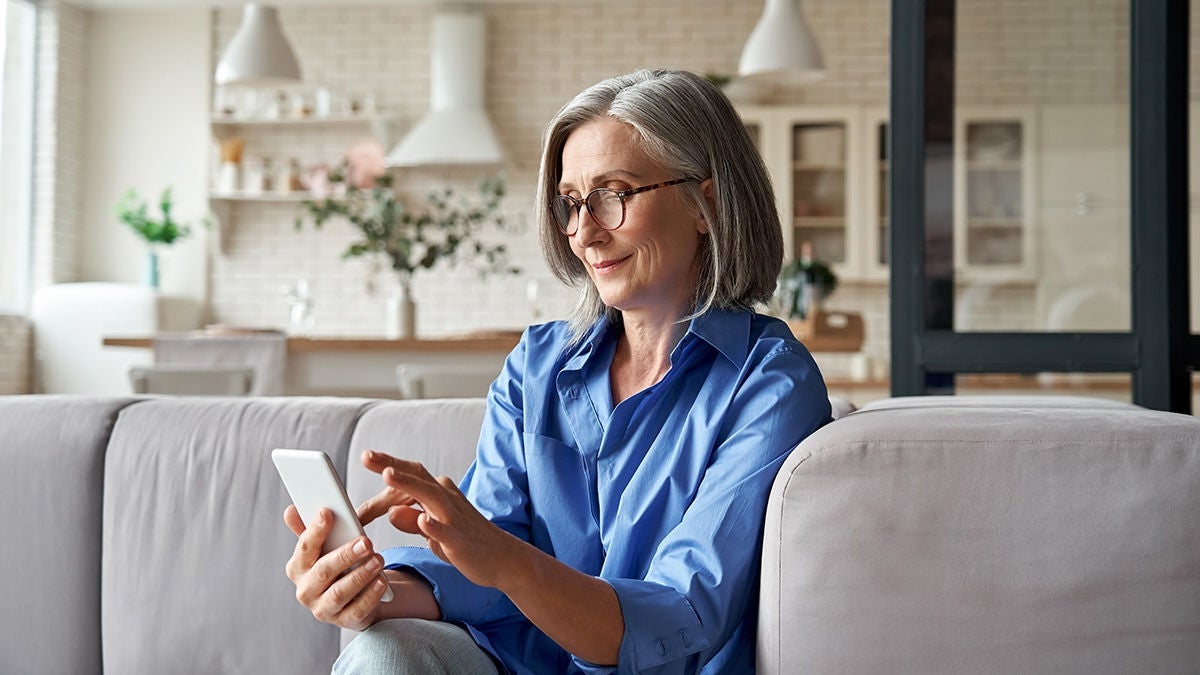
column 914, row 535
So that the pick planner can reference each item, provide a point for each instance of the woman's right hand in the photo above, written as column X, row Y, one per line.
column 322, row 584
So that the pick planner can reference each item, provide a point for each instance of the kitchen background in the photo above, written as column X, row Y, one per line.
column 128, row 97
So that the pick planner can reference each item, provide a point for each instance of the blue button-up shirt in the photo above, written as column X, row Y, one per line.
column 662, row 496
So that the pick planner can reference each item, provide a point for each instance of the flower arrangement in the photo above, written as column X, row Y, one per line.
column 445, row 229
column 134, row 212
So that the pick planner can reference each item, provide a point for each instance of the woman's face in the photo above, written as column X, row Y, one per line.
column 647, row 266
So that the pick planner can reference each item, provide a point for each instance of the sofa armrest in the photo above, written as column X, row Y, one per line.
column 1001, row 535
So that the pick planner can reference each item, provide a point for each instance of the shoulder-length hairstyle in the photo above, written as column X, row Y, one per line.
column 687, row 126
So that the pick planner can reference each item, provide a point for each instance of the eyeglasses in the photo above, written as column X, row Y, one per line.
column 605, row 205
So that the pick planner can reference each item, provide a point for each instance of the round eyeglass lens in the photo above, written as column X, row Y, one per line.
column 564, row 213
column 604, row 206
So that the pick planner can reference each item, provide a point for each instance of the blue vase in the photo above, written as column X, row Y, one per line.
column 150, row 272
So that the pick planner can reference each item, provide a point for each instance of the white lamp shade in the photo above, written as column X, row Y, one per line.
column 259, row 53
column 782, row 45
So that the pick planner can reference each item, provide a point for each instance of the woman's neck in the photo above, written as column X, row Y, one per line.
column 643, row 354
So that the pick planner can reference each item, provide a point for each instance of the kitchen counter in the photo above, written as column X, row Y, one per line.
column 468, row 343
column 366, row 366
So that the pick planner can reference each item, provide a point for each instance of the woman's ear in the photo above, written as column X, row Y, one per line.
column 706, row 186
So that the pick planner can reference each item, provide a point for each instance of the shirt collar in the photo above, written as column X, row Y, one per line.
column 583, row 351
column 726, row 330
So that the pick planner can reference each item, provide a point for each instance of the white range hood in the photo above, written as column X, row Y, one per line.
column 456, row 130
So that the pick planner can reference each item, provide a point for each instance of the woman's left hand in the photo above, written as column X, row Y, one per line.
column 456, row 531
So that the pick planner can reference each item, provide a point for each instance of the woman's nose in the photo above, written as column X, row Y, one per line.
column 589, row 231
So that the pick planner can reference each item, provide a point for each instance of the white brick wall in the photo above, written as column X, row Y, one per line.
column 15, row 354
column 62, row 76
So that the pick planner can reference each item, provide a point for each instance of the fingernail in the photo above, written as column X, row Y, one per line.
column 373, row 565
column 360, row 547
column 379, row 585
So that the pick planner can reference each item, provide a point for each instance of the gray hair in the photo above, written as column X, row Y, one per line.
column 687, row 126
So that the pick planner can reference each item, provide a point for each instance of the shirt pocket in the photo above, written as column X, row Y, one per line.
column 563, row 509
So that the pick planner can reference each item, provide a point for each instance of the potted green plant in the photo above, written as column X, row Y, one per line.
column 445, row 229
column 804, row 284
column 156, row 231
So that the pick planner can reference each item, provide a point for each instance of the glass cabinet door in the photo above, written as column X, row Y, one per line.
column 876, row 183
column 819, row 176
column 994, row 205
column 764, row 132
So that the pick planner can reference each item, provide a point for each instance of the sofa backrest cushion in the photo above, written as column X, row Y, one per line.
column 441, row 434
column 51, row 494
column 1016, row 535
column 194, row 548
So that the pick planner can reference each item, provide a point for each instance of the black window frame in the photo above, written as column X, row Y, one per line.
column 926, row 351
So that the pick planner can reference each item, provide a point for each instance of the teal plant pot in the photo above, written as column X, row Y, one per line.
column 150, row 271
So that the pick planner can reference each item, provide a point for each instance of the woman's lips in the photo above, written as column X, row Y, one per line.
column 607, row 266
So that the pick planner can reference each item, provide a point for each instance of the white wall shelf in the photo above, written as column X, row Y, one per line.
column 224, row 205
column 225, row 126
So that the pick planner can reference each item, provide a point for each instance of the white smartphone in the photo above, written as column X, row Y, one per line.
column 313, row 484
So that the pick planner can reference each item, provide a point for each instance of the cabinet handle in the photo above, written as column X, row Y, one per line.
column 1084, row 203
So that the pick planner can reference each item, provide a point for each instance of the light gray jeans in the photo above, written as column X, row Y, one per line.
column 416, row 646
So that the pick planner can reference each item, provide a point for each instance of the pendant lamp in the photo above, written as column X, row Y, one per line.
column 259, row 53
column 782, row 46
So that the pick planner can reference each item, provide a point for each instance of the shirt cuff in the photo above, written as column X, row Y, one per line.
column 458, row 598
column 660, row 625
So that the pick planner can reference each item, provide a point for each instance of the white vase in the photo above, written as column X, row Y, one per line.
column 400, row 315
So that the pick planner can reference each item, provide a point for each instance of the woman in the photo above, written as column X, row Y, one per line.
column 612, row 519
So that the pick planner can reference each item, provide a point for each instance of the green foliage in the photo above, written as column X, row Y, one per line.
column 446, row 229
column 719, row 79
column 799, row 279
column 134, row 212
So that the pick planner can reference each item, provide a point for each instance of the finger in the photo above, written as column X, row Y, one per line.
column 326, row 571
column 379, row 504
column 291, row 517
column 437, row 550
column 308, row 545
column 423, row 489
column 404, row 518
column 380, row 461
column 346, row 589
column 354, row 614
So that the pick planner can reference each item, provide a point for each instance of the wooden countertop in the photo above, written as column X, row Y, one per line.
column 491, row 342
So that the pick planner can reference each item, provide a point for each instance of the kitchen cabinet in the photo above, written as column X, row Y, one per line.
column 830, row 168
column 995, row 188
column 305, row 140
column 813, row 155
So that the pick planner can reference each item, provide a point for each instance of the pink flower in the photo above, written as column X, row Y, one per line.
column 365, row 163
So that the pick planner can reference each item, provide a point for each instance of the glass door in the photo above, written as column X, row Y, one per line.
column 820, row 203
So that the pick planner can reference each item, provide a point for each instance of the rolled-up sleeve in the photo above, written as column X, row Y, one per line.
column 705, row 571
